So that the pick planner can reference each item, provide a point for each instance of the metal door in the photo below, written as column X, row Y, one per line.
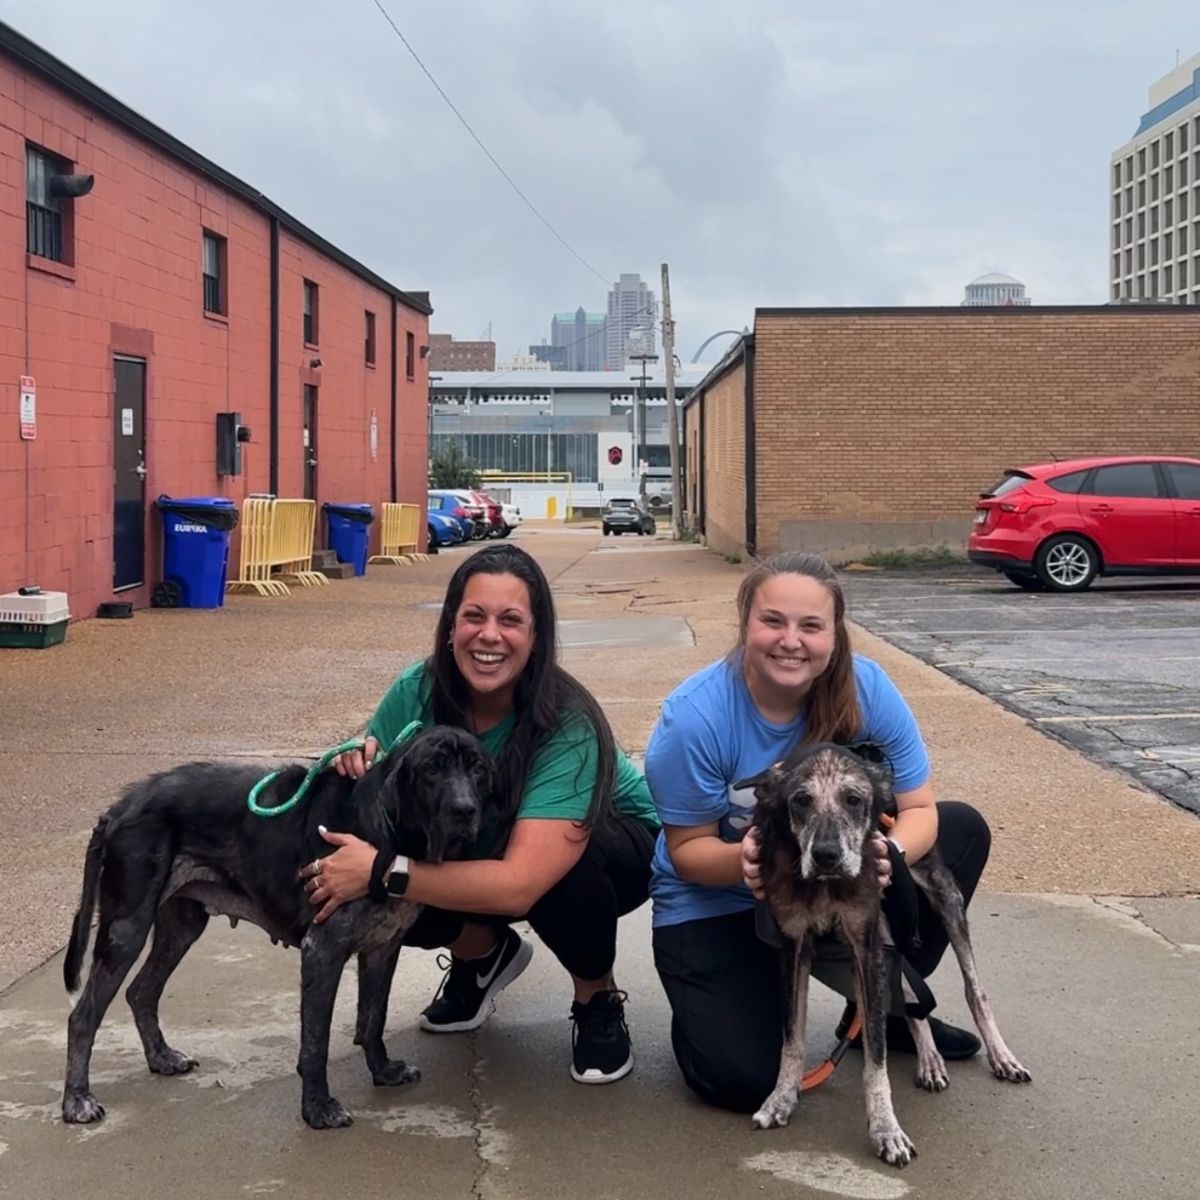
column 129, row 473
column 310, row 442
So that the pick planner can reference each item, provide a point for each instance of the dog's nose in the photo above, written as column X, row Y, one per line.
column 826, row 855
column 463, row 811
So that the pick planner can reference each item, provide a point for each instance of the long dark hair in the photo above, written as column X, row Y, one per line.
column 544, row 692
column 831, row 706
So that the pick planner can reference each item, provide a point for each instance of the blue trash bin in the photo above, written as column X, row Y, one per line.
column 196, row 533
column 349, row 533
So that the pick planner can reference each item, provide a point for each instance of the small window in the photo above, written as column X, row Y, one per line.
column 1168, row 212
column 47, row 215
column 214, row 273
column 1186, row 479
column 1154, row 186
column 1169, row 145
column 1011, row 481
column 1116, row 175
column 1168, row 179
column 369, row 333
column 311, row 313
column 1141, row 193
column 1183, row 139
column 1128, row 168
column 410, row 356
column 1183, row 173
column 1131, row 480
column 1142, row 161
column 1068, row 483
column 1154, row 151
column 1141, row 224
column 1166, row 281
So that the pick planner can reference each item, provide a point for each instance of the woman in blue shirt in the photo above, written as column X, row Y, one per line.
column 792, row 678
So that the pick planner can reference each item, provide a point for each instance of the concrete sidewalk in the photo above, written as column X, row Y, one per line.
column 1096, row 994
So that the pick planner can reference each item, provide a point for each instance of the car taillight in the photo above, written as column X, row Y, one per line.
column 1024, row 504
column 458, row 512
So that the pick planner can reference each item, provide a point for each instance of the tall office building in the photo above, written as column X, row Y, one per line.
column 632, row 313
column 581, row 337
column 1154, row 189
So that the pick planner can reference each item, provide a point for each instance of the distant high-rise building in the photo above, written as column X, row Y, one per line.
column 632, row 313
column 447, row 354
column 995, row 290
column 555, row 357
column 580, row 337
column 1154, row 194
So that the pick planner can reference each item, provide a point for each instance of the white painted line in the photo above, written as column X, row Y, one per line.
column 1088, row 630
column 1104, row 719
column 1048, row 658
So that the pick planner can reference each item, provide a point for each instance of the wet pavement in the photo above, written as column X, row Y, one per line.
column 1114, row 671
column 1086, row 926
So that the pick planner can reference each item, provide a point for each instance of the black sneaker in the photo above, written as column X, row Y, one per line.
column 468, row 992
column 600, row 1050
column 952, row 1043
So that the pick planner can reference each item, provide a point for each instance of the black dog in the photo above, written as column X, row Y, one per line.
column 816, row 813
column 182, row 845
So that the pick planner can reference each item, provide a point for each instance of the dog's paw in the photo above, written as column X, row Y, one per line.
column 171, row 1062
column 894, row 1146
column 81, row 1108
column 931, row 1073
column 776, row 1111
column 394, row 1073
column 1005, row 1066
column 326, row 1114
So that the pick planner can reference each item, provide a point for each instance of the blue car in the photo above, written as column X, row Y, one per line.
column 444, row 530
column 448, row 504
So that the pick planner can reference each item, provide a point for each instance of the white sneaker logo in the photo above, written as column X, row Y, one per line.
column 483, row 981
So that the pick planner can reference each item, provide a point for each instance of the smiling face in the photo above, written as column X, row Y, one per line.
column 493, row 635
column 789, row 638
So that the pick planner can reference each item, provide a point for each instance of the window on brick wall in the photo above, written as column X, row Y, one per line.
column 311, row 306
column 214, row 273
column 47, row 216
column 410, row 356
column 369, row 335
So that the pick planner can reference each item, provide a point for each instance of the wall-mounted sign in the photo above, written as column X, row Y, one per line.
column 374, row 436
column 28, row 408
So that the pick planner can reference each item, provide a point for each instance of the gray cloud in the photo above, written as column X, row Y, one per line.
column 774, row 152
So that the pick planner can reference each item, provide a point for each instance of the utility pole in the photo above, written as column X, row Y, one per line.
column 429, row 425
column 668, row 328
column 640, row 440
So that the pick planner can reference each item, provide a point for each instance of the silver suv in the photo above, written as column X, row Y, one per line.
column 622, row 515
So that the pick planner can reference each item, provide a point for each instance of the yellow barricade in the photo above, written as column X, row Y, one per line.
column 277, row 538
column 399, row 535
column 292, row 543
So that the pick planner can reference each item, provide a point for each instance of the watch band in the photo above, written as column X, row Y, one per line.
column 900, row 848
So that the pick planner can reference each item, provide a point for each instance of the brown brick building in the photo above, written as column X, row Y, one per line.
column 445, row 354
column 842, row 430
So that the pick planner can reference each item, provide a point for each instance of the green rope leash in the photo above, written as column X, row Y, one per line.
column 277, row 810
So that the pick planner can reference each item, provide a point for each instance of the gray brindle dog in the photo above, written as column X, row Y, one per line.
column 816, row 812
column 182, row 845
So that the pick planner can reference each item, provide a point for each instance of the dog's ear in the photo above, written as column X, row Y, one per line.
column 873, row 753
column 764, row 779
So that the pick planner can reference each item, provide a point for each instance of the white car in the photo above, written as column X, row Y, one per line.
column 511, row 515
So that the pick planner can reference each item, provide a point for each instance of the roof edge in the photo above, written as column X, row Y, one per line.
column 735, row 354
column 32, row 56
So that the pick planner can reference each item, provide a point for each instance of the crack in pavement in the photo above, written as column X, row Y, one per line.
column 1122, row 907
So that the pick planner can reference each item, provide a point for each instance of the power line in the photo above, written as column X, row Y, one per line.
column 479, row 142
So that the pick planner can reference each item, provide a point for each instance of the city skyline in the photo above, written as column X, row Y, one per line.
column 748, row 148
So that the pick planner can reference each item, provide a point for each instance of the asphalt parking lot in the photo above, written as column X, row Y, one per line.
column 1113, row 671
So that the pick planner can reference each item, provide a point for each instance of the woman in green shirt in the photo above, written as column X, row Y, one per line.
column 569, row 843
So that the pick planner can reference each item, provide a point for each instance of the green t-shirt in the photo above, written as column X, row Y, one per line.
column 561, row 777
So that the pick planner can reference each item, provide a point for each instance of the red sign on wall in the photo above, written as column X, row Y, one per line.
column 615, row 455
column 28, row 408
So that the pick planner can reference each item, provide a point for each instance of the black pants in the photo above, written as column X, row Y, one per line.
column 723, row 983
column 577, row 917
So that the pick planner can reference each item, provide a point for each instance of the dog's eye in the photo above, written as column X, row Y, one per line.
column 801, row 799
column 854, row 799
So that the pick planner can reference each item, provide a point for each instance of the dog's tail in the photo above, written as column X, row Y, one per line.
column 82, row 928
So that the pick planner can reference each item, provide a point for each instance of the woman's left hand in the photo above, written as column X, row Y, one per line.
column 338, row 877
column 877, row 847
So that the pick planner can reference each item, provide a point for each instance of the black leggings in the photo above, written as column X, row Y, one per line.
column 723, row 983
column 577, row 917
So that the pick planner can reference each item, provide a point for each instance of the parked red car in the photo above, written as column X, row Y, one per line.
column 1058, row 525
column 495, row 514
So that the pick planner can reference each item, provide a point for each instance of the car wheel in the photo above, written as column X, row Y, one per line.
column 607, row 531
column 1031, row 583
column 1067, row 563
column 505, row 531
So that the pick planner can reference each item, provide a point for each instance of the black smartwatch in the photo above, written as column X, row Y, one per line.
column 397, row 877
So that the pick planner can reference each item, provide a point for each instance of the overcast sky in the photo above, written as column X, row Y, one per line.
column 772, row 151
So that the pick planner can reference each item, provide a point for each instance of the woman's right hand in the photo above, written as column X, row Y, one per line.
column 356, row 763
column 751, row 875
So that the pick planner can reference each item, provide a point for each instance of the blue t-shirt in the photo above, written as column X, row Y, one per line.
column 710, row 735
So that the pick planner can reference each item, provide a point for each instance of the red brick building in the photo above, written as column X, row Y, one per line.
column 844, row 430
column 144, row 291
column 446, row 354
